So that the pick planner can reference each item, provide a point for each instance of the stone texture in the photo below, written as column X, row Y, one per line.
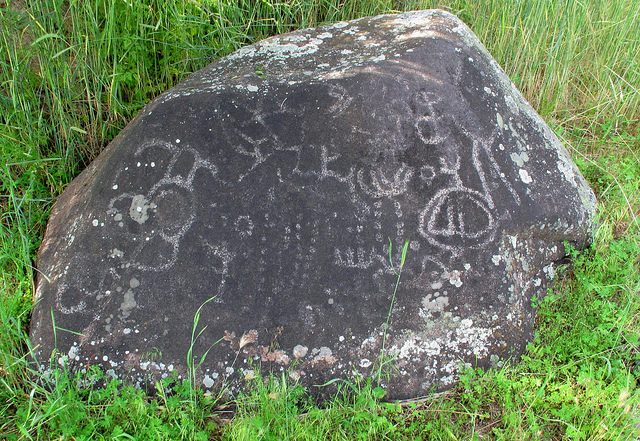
column 265, row 189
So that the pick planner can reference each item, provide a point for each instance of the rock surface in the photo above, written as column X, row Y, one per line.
column 263, row 193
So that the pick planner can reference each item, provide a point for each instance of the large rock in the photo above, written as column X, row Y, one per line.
column 264, row 192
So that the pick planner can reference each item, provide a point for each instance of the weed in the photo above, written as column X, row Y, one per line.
column 192, row 366
column 383, row 359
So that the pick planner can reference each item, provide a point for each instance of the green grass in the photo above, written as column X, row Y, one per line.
column 73, row 73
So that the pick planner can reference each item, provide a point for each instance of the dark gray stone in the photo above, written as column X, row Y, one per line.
column 272, row 181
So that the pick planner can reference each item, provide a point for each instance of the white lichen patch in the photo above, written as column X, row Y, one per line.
column 454, row 278
column 339, row 25
column 139, row 208
column 369, row 342
column 415, row 345
column 296, row 375
column 572, row 175
column 519, row 158
column 511, row 104
column 524, row 176
column 279, row 48
column 550, row 271
column 443, row 345
column 277, row 356
column 499, row 121
column 476, row 338
column 453, row 367
column 73, row 353
column 128, row 304
column 324, row 354
column 537, row 282
column 435, row 303
column 300, row 351
column 207, row 381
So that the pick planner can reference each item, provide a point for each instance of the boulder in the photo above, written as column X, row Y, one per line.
column 255, row 216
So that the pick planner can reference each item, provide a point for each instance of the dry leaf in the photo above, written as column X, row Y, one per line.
column 229, row 336
column 248, row 338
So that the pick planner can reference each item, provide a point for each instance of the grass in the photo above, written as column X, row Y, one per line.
column 72, row 73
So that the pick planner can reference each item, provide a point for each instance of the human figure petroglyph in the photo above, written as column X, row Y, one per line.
column 428, row 122
column 359, row 258
column 460, row 214
column 343, row 99
column 380, row 184
column 219, row 263
column 457, row 213
column 169, row 202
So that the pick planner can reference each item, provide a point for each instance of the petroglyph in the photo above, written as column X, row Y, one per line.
column 274, row 190
column 170, row 202
column 379, row 185
column 360, row 258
